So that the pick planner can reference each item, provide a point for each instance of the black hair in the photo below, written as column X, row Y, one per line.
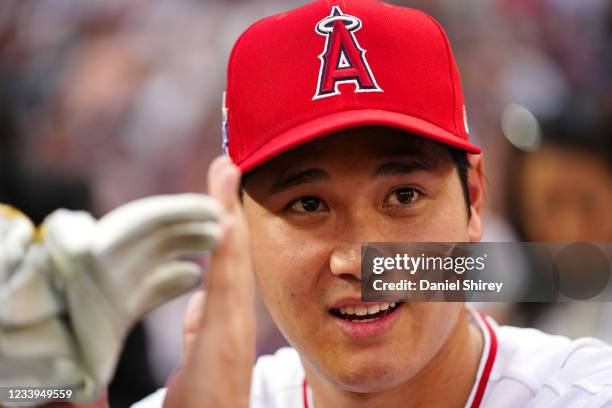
column 463, row 168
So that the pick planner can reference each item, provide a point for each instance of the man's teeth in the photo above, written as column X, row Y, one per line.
column 365, row 310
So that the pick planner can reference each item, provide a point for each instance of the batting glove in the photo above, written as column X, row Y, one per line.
column 70, row 292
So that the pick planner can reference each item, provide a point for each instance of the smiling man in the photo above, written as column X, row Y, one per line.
column 345, row 124
column 325, row 198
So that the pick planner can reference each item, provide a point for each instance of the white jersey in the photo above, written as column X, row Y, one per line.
column 518, row 368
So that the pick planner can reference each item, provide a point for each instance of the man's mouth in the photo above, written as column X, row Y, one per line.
column 365, row 313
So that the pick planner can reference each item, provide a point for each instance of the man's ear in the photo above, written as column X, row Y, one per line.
column 475, row 184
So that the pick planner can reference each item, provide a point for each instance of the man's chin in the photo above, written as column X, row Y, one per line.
column 369, row 376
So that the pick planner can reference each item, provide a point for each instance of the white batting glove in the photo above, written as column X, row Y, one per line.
column 103, row 276
column 36, row 347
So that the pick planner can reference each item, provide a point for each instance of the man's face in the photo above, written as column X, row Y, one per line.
column 308, row 212
column 566, row 196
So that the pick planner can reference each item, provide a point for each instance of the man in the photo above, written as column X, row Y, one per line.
column 345, row 124
column 346, row 120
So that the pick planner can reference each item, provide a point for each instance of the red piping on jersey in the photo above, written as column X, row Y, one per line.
column 305, row 393
column 484, row 379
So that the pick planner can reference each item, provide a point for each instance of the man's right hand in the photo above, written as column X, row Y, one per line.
column 219, row 335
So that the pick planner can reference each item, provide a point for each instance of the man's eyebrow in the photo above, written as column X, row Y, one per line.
column 295, row 179
column 401, row 167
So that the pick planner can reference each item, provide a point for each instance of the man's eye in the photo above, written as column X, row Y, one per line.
column 403, row 196
column 308, row 204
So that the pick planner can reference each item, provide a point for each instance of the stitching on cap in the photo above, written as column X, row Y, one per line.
column 397, row 108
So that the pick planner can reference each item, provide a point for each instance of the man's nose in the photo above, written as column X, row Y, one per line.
column 345, row 261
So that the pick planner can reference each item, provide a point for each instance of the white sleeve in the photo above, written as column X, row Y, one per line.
column 277, row 383
column 155, row 400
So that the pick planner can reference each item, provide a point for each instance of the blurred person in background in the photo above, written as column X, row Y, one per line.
column 561, row 191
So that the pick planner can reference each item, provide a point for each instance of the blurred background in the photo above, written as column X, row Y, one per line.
column 106, row 101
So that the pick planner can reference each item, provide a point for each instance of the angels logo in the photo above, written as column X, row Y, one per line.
column 343, row 60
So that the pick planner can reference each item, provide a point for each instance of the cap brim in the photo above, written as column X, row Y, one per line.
column 325, row 125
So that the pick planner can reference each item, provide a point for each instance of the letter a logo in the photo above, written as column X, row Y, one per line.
column 343, row 60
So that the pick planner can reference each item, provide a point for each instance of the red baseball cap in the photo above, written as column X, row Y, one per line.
column 332, row 65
